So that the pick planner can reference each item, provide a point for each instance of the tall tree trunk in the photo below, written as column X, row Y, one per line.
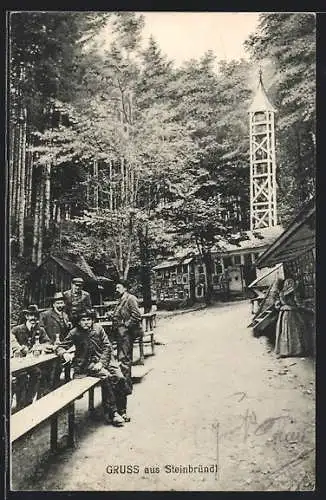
column 41, row 223
column 95, row 174
column 29, row 182
column 87, row 189
column 208, row 261
column 47, row 193
column 36, row 229
column 111, row 190
column 12, row 170
column 122, row 181
column 22, row 192
column 145, row 273
column 18, row 175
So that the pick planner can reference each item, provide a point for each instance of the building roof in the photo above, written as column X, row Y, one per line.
column 260, row 101
column 261, row 280
column 74, row 269
column 255, row 240
column 298, row 237
column 166, row 264
column 173, row 262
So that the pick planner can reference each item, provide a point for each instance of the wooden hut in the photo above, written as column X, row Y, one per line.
column 55, row 274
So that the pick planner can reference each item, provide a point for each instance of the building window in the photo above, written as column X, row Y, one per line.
column 227, row 261
column 202, row 278
column 185, row 278
column 237, row 259
column 218, row 268
column 247, row 259
column 200, row 269
column 185, row 268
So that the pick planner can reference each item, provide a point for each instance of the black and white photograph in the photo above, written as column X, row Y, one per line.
column 161, row 186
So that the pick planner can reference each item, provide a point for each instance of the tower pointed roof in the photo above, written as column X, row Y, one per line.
column 260, row 101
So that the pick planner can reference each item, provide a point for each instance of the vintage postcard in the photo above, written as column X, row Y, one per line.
column 161, row 187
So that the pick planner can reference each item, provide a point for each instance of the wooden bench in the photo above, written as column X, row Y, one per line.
column 148, row 323
column 49, row 407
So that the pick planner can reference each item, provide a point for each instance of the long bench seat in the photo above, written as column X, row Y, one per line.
column 49, row 407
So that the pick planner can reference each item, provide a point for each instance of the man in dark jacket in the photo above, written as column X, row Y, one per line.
column 27, row 332
column 55, row 320
column 94, row 357
column 76, row 299
column 56, row 323
column 126, row 319
column 29, row 387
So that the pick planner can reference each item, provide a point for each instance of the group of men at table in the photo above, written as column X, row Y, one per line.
column 70, row 322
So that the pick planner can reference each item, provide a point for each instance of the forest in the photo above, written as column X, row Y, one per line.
column 116, row 154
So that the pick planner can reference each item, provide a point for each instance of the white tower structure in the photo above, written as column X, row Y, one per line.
column 262, row 161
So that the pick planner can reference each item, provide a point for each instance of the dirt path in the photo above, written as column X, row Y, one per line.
column 215, row 397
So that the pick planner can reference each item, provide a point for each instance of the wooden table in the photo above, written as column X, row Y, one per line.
column 18, row 365
column 34, row 376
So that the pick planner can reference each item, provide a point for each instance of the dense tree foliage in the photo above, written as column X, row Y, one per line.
column 122, row 157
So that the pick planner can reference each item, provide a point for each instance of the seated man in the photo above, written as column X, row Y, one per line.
column 28, row 386
column 94, row 357
column 57, row 325
column 55, row 320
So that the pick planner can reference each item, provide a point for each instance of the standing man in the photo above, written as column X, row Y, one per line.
column 54, row 320
column 76, row 299
column 126, row 319
column 28, row 386
column 94, row 357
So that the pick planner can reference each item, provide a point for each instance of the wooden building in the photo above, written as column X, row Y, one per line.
column 174, row 280
column 55, row 274
column 295, row 249
column 184, row 279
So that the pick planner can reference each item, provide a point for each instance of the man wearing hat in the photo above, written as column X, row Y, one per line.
column 55, row 320
column 76, row 299
column 25, row 334
column 94, row 357
column 56, row 323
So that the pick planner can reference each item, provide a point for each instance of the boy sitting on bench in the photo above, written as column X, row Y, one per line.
column 94, row 357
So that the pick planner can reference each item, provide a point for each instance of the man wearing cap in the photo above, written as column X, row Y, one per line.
column 76, row 299
column 94, row 357
column 25, row 335
column 127, row 327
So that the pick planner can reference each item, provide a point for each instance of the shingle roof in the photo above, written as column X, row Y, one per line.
column 256, row 239
column 74, row 269
column 298, row 237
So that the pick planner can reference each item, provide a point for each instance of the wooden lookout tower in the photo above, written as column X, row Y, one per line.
column 263, row 210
